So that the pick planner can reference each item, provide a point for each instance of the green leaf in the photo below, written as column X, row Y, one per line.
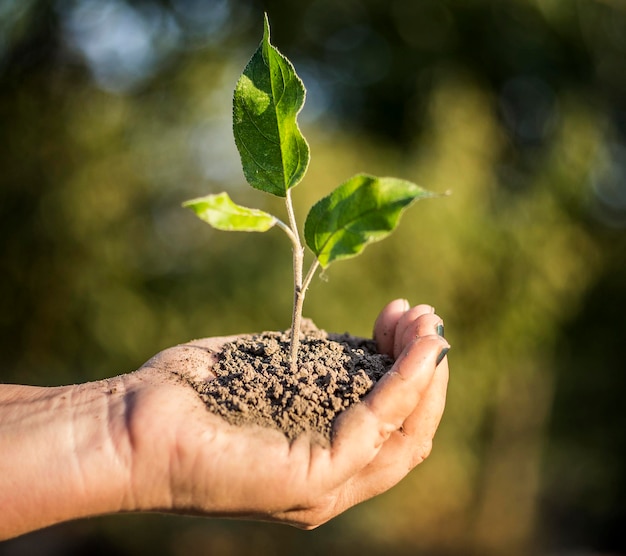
column 267, row 99
column 220, row 211
column 361, row 210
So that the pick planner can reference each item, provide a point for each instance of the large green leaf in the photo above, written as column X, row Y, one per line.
column 220, row 211
column 361, row 210
column 266, row 102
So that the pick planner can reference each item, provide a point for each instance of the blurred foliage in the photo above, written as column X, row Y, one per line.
column 112, row 112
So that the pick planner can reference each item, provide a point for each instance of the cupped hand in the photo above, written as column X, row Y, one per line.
column 185, row 459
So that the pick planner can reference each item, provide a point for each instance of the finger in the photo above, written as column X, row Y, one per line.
column 399, row 391
column 385, row 325
column 406, row 320
column 361, row 431
column 407, row 447
column 423, row 325
column 422, row 424
column 413, row 442
column 355, row 482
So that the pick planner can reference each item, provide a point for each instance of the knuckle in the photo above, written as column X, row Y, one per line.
column 319, row 512
column 422, row 452
column 312, row 519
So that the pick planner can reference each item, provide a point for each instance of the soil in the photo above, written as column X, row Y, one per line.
column 254, row 383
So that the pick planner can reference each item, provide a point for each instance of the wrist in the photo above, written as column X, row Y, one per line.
column 65, row 454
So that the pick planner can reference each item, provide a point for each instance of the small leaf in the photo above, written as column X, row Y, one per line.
column 220, row 211
column 267, row 99
column 361, row 210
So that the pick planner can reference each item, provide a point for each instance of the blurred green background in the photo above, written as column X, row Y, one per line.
column 113, row 112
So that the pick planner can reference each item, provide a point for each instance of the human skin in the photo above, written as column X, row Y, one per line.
column 144, row 441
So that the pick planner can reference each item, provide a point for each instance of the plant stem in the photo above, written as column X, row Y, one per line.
column 309, row 276
column 298, row 290
column 298, row 302
column 287, row 230
column 300, row 286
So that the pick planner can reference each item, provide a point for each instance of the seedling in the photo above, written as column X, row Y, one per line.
column 275, row 156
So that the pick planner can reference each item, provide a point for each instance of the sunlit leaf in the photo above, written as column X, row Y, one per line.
column 220, row 211
column 266, row 102
column 361, row 210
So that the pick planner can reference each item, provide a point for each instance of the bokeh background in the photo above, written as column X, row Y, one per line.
column 112, row 112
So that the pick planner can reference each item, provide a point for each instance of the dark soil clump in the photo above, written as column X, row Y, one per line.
column 254, row 384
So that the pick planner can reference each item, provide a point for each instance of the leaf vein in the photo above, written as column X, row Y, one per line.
column 277, row 115
column 245, row 146
column 347, row 225
column 253, row 122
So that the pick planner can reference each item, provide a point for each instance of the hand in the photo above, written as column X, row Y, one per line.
column 188, row 460
column 145, row 441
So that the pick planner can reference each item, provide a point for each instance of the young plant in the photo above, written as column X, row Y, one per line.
column 275, row 156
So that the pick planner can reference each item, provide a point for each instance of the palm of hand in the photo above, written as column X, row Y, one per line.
column 191, row 461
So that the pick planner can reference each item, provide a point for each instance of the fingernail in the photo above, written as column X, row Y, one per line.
column 439, row 330
column 407, row 305
column 442, row 354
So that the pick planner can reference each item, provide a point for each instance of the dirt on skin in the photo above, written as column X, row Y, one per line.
column 254, row 383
